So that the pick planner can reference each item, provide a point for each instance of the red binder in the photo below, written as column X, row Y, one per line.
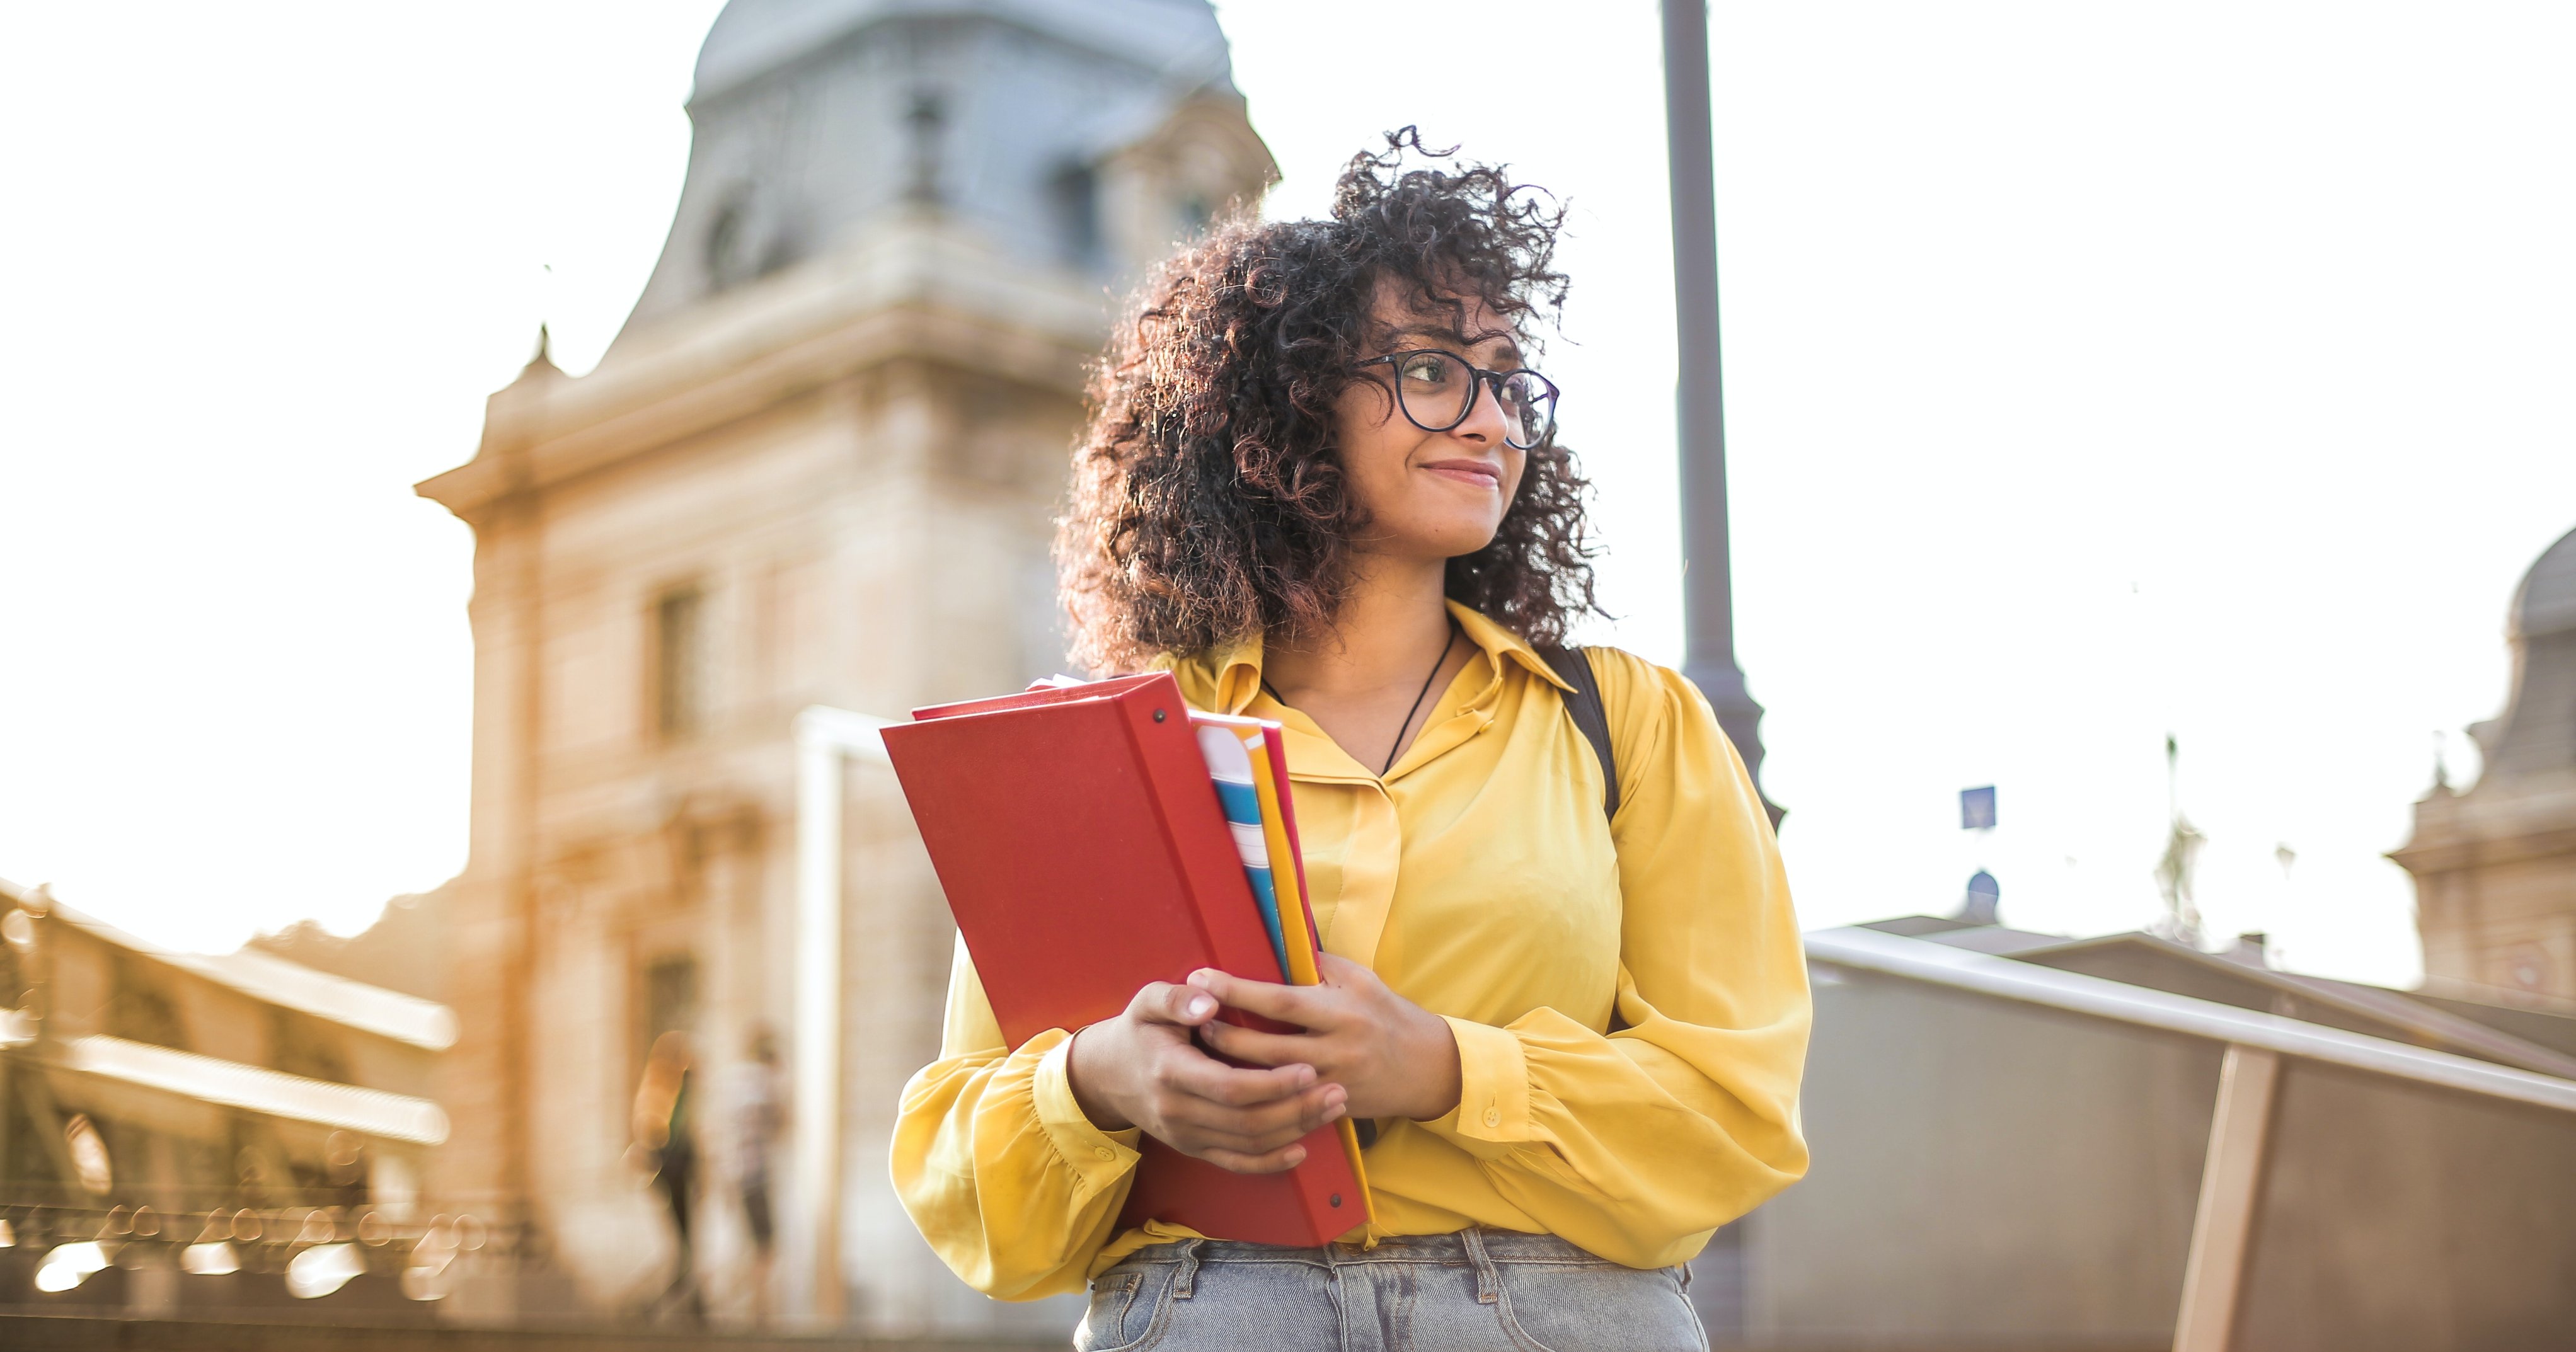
column 1084, row 854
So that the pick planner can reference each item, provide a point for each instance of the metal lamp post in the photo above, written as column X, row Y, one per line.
column 1708, row 589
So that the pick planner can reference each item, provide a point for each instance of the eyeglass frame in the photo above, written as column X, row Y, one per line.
column 1480, row 378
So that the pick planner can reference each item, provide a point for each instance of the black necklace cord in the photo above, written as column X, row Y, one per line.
column 1451, row 641
column 1282, row 701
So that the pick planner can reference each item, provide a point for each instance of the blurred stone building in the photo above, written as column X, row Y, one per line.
column 177, row 1128
column 819, row 466
column 2495, row 867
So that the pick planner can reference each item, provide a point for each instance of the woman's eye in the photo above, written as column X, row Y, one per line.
column 1429, row 370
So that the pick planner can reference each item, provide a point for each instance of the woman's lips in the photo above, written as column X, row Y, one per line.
column 1475, row 472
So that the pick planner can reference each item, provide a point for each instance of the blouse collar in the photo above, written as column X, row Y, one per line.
column 1227, row 677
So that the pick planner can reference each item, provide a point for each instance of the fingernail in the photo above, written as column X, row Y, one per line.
column 1296, row 1155
column 1199, row 1007
column 1305, row 1076
column 1199, row 978
column 1334, row 1113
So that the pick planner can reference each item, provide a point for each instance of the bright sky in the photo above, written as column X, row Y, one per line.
column 2093, row 373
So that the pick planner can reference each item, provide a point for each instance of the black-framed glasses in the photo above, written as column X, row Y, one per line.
column 1437, row 390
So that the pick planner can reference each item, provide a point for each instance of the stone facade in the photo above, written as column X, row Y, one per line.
column 2495, row 866
column 152, row 1099
column 820, row 466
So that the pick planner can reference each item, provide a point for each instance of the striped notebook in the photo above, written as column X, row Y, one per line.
column 1249, row 763
column 1230, row 744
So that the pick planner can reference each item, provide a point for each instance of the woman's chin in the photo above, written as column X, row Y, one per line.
column 1458, row 544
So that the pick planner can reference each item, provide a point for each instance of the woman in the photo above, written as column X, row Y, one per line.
column 1321, row 488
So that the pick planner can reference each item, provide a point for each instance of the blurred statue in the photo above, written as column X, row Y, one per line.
column 2181, row 922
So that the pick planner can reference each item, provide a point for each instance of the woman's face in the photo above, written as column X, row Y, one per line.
column 1428, row 495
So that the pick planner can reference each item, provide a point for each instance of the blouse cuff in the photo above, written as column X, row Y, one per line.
column 1099, row 1157
column 1493, row 1084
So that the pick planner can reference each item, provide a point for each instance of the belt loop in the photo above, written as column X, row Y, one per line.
column 1183, row 1284
column 1489, row 1282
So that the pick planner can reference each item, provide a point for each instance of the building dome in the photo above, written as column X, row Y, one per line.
column 752, row 38
column 2536, row 733
column 1085, row 136
column 2546, row 602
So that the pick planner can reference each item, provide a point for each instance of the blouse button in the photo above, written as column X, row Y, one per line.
column 1104, row 1152
column 1493, row 1117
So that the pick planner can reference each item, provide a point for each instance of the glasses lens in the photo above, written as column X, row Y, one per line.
column 1434, row 388
column 1529, row 408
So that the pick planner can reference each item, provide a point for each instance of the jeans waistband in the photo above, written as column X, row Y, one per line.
column 1499, row 1246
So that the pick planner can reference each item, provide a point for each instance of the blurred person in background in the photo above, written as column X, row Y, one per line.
column 666, row 1143
column 757, row 1107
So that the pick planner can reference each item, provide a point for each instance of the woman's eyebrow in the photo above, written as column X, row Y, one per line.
column 1436, row 333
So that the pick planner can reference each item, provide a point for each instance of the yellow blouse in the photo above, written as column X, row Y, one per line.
column 1629, row 998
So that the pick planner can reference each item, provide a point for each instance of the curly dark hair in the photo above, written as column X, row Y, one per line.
column 1208, row 498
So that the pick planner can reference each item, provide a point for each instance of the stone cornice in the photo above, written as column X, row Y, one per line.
column 914, row 289
column 2499, row 821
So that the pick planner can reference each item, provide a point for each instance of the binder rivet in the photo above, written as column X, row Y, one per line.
column 1337, row 1199
column 1158, row 715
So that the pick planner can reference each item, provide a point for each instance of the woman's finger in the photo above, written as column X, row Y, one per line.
column 1163, row 1002
column 1304, row 1006
column 1276, row 1162
column 1269, row 1124
column 1261, row 1049
column 1199, row 1075
column 1197, row 1140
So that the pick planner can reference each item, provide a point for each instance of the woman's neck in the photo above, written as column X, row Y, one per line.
column 1393, row 623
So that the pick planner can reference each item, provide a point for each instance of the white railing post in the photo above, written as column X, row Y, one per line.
column 825, row 738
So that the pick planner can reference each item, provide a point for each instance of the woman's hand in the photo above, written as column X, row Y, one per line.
column 1396, row 1058
column 1141, row 1069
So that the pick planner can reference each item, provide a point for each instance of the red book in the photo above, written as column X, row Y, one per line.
column 1084, row 854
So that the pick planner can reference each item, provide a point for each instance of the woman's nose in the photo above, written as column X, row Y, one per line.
column 1484, row 424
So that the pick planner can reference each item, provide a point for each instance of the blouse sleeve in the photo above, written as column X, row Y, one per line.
column 1639, row 1142
column 1014, row 1188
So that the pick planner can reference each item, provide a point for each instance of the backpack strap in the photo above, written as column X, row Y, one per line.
column 1591, row 717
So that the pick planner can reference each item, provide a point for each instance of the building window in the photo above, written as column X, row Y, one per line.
column 669, row 1004
column 670, row 996
column 729, row 248
column 140, row 1008
column 1074, row 192
column 300, row 1044
column 679, row 695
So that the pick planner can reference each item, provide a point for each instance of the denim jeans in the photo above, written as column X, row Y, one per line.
column 1466, row 1292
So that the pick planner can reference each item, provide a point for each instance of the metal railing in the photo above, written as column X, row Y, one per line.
column 317, row 1250
column 2029, row 983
